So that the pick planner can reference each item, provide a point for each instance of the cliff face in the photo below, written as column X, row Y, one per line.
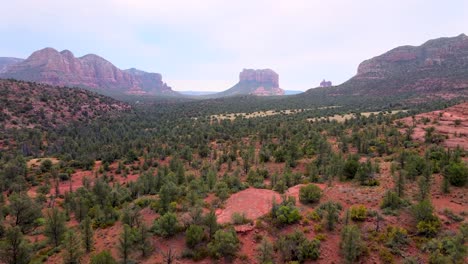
column 437, row 68
column 90, row 71
column 6, row 61
column 255, row 82
column 266, row 76
column 432, row 55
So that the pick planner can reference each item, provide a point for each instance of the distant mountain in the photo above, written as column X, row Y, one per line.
column 255, row 82
column 28, row 105
column 196, row 93
column 90, row 71
column 291, row 92
column 437, row 68
column 6, row 61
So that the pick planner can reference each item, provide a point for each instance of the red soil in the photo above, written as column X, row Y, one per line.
column 253, row 202
column 444, row 123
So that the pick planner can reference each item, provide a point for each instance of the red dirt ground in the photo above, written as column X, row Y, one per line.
column 444, row 123
column 253, row 202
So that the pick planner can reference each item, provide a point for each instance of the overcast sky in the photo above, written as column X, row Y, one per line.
column 203, row 45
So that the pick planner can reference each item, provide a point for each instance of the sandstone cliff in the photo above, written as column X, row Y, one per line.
column 90, row 71
column 255, row 82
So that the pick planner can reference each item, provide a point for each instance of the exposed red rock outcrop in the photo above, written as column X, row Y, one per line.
column 261, row 76
column 255, row 82
column 451, row 123
column 90, row 71
column 325, row 83
column 437, row 69
column 433, row 53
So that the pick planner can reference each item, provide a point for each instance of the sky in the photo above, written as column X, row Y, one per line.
column 202, row 45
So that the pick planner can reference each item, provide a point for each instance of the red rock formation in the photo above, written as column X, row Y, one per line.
column 325, row 83
column 261, row 76
column 90, row 71
column 255, row 82
column 443, row 51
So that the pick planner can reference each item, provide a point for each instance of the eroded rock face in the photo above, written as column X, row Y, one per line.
column 442, row 52
column 5, row 62
column 255, row 82
column 325, row 83
column 260, row 76
column 90, row 71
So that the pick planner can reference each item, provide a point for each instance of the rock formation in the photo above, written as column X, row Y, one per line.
column 255, row 82
column 6, row 61
column 325, row 83
column 437, row 68
column 90, row 71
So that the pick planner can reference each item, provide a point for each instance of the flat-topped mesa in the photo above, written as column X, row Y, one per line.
column 262, row 82
column 260, row 76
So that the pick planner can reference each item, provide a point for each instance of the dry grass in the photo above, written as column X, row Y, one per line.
column 343, row 117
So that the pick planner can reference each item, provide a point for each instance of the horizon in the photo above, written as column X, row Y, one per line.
column 202, row 46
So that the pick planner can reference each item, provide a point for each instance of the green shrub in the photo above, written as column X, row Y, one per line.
column 358, row 212
column 224, row 244
column 391, row 201
column 296, row 247
column 286, row 212
column 166, row 225
column 429, row 228
column 194, row 236
column 310, row 193
column 239, row 218
column 457, row 174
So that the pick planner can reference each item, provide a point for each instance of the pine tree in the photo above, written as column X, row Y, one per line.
column 72, row 246
column 14, row 248
column 142, row 240
column 125, row 244
column 400, row 184
column 87, row 233
column 55, row 226
column 265, row 251
column 211, row 223
column 351, row 243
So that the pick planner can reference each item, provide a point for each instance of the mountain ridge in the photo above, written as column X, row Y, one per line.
column 89, row 71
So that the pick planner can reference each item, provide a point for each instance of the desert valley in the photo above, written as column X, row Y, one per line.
column 104, row 165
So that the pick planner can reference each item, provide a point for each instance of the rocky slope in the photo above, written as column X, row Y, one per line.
column 437, row 68
column 30, row 105
column 255, row 82
column 7, row 61
column 90, row 71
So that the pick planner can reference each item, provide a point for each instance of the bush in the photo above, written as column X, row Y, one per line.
column 350, row 168
column 330, row 212
column 194, row 236
column 286, row 212
column 391, row 201
column 310, row 193
column 239, row 218
column 358, row 212
column 395, row 238
column 296, row 247
column 427, row 223
column 457, row 174
column 103, row 257
column 429, row 228
column 166, row 225
column 224, row 243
